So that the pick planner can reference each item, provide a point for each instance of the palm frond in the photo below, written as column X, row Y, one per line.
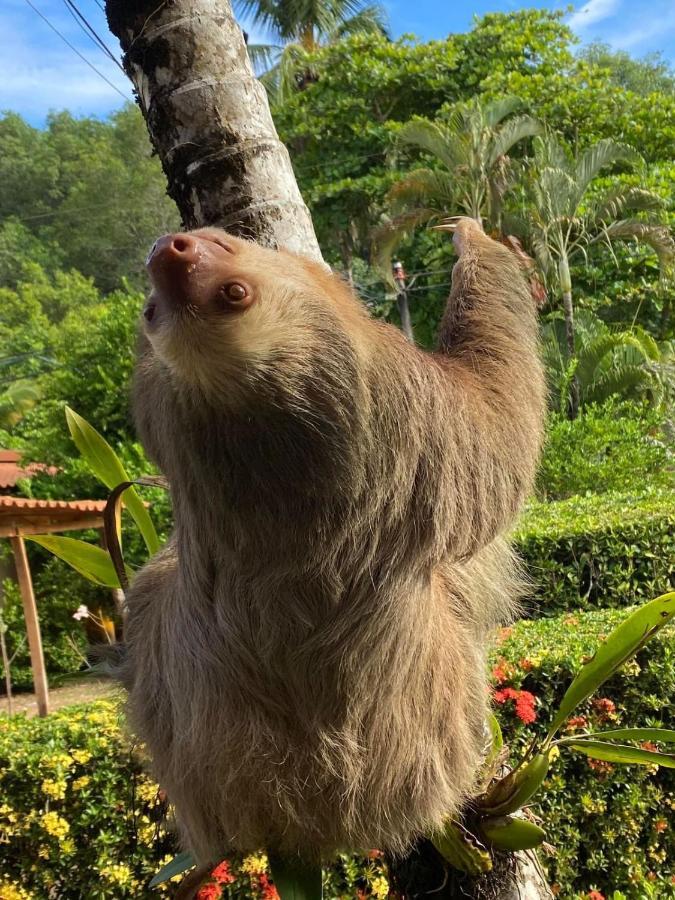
column 371, row 19
column 550, row 152
column 624, row 197
column 435, row 138
column 592, row 355
column 602, row 154
column 510, row 132
column 494, row 111
column 624, row 380
column 656, row 236
column 428, row 187
column 263, row 56
column 387, row 237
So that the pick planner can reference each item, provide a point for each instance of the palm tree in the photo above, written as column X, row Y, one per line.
column 608, row 361
column 300, row 28
column 564, row 222
column 473, row 170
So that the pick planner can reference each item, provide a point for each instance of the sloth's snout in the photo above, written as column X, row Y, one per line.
column 173, row 251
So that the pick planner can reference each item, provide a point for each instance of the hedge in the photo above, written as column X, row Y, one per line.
column 78, row 816
column 602, row 550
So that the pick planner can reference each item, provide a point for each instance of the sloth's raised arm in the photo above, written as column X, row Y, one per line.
column 483, row 397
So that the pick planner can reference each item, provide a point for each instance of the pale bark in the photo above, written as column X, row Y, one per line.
column 209, row 120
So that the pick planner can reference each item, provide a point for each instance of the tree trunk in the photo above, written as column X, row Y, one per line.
column 209, row 121
column 568, row 309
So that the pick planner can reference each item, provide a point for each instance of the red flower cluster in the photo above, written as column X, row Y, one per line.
column 209, row 892
column 524, row 700
column 595, row 895
column 605, row 708
column 266, row 888
column 221, row 874
column 575, row 722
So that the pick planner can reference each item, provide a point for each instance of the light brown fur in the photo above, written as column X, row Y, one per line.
column 306, row 657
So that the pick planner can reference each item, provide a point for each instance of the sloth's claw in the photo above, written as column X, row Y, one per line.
column 462, row 229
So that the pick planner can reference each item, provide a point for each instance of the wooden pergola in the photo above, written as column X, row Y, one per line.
column 20, row 516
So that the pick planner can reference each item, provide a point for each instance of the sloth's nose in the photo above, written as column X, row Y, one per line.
column 173, row 250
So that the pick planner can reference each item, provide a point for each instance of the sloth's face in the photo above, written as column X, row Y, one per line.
column 221, row 308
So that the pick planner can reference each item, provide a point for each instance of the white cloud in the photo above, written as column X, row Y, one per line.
column 592, row 12
column 638, row 38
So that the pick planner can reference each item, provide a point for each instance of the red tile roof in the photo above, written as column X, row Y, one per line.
column 11, row 471
column 23, row 515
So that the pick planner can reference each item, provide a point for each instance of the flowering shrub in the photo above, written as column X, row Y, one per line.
column 77, row 810
column 611, row 827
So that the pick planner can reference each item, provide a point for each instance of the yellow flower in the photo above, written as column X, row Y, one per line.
column 11, row 891
column 81, row 756
column 54, row 789
column 80, row 783
column 380, row 887
column 55, row 825
column 117, row 874
column 147, row 791
column 253, row 865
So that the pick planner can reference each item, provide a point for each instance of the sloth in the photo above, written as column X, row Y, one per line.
column 306, row 657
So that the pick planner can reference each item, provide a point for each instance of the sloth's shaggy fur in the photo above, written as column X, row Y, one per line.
column 306, row 657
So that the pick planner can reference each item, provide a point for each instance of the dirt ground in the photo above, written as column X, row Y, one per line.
column 80, row 691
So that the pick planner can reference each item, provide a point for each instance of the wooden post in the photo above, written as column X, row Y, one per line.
column 30, row 613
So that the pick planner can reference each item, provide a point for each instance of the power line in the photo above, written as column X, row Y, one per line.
column 75, row 50
column 88, row 29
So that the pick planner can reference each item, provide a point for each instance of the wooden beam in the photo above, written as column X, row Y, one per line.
column 30, row 613
column 34, row 526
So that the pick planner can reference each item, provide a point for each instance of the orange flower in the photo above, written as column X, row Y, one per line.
column 595, row 895
column 221, row 874
column 209, row 892
column 576, row 722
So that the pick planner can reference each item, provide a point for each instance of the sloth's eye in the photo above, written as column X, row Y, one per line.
column 235, row 291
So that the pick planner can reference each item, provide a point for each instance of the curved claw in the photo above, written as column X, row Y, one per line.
column 461, row 228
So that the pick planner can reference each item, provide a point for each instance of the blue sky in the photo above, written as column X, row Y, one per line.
column 38, row 72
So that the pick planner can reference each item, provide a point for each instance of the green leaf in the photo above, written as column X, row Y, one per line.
column 176, row 866
column 623, row 643
column 517, row 788
column 107, row 467
column 462, row 850
column 296, row 879
column 497, row 740
column 507, row 833
column 664, row 735
column 622, row 753
column 90, row 561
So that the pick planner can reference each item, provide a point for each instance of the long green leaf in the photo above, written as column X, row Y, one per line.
column 295, row 879
column 623, row 643
column 107, row 466
column 90, row 561
column 664, row 735
column 176, row 866
column 622, row 753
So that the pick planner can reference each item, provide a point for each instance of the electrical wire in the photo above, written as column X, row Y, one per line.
column 88, row 29
column 75, row 50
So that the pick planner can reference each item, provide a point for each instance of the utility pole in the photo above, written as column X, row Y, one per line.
column 402, row 300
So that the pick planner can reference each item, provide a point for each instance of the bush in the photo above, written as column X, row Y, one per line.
column 616, row 447
column 79, row 817
column 78, row 810
column 611, row 827
column 603, row 550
